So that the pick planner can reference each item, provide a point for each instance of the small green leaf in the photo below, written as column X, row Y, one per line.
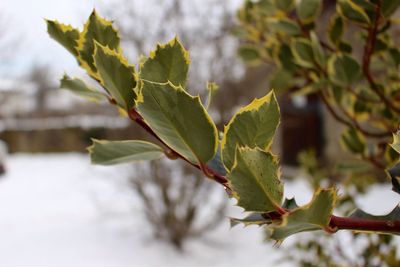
column 336, row 29
column 343, row 70
column 252, row 219
column 318, row 51
column 249, row 54
column 394, row 215
column 105, row 152
column 255, row 180
column 167, row 63
column 116, row 75
column 396, row 142
column 253, row 125
column 308, row 10
column 314, row 216
column 66, row 35
column 303, row 52
column 100, row 30
column 284, row 5
column 284, row 25
column 212, row 89
column 79, row 87
column 388, row 7
column 216, row 163
column 394, row 174
column 179, row 119
column 281, row 80
column 353, row 12
column 353, row 141
column 290, row 204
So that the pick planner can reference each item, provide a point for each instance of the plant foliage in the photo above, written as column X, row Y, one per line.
column 154, row 95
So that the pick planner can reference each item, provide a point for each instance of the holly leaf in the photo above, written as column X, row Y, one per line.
column 100, row 30
column 396, row 142
column 388, row 7
column 284, row 25
column 343, row 70
column 303, row 52
column 167, row 63
column 179, row 119
column 307, row 10
column 311, row 217
column 116, row 75
column 252, row 219
column 352, row 12
column 216, row 163
column 394, row 174
column 290, row 204
column 394, row 215
column 249, row 54
column 336, row 29
column 353, row 141
column 105, row 152
column 64, row 34
column 255, row 180
column 79, row 87
column 253, row 125
column 212, row 88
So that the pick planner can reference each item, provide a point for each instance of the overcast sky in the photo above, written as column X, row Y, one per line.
column 25, row 24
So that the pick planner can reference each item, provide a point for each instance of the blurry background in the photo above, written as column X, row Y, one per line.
column 58, row 210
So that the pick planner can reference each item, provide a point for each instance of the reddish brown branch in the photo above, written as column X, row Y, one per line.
column 355, row 224
column 368, row 51
column 352, row 123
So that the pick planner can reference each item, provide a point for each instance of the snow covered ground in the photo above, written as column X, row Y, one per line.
column 58, row 210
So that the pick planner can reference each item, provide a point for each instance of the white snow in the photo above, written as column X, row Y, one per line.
column 58, row 210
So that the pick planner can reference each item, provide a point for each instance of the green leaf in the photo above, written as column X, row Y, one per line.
column 105, row 152
column 353, row 12
column 318, row 51
column 396, row 142
column 394, row 174
column 314, row 216
column 284, row 5
column 284, row 25
column 212, row 89
column 66, row 35
column 100, row 30
column 79, row 87
column 216, row 163
column 307, row 10
column 290, row 204
column 394, row 215
column 179, row 119
column 249, row 54
column 353, row 141
column 281, row 80
column 252, row 219
column 116, row 75
column 303, row 52
column 253, row 126
column 336, row 29
column 167, row 63
column 388, row 7
column 255, row 180
column 343, row 70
